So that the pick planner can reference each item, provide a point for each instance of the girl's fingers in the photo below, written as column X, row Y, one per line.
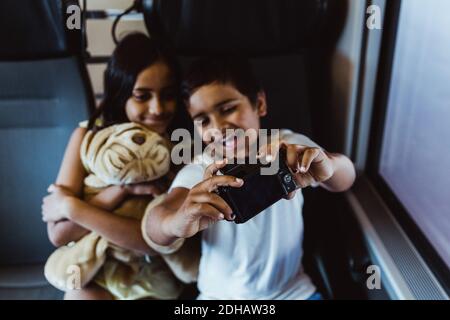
column 53, row 188
column 212, row 169
column 145, row 189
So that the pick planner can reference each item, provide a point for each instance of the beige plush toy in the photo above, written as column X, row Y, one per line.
column 120, row 154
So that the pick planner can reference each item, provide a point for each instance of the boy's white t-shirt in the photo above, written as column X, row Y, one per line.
column 260, row 259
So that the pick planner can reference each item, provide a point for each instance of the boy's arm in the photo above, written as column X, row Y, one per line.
column 184, row 212
column 343, row 176
column 312, row 165
column 157, row 227
column 334, row 172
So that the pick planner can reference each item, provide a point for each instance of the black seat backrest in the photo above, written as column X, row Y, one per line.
column 44, row 93
column 251, row 27
column 290, row 43
column 284, row 39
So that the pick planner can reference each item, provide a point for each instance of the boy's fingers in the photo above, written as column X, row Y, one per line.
column 290, row 195
column 205, row 223
column 213, row 183
column 212, row 169
column 293, row 153
column 215, row 201
column 269, row 151
column 308, row 157
column 207, row 210
column 303, row 180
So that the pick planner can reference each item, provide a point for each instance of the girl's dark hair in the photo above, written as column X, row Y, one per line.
column 234, row 70
column 134, row 53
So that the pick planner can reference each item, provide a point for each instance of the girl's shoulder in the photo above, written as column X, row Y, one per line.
column 84, row 124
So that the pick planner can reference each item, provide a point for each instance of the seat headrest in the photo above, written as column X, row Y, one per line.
column 35, row 29
column 251, row 27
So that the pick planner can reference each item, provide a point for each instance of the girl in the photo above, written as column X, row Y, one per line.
column 141, row 85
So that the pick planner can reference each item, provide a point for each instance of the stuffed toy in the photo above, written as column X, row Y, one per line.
column 116, row 155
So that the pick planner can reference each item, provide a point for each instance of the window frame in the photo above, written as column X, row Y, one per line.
column 382, row 91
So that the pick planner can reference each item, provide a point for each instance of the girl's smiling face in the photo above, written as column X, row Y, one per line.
column 153, row 100
column 218, row 107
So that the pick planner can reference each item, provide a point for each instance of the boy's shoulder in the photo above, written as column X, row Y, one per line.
column 189, row 175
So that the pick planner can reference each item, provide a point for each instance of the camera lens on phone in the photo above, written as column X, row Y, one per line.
column 287, row 178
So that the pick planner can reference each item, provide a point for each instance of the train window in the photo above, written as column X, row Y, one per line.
column 413, row 153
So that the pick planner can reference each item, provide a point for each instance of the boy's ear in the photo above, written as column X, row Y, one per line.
column 261, row 104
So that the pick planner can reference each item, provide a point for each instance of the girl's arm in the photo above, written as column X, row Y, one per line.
column 121, row 231
column 110, row 198
column 64, row 231
column 70, row 176
column 65, row 225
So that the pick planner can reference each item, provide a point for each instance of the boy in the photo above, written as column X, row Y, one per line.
column 260, row 259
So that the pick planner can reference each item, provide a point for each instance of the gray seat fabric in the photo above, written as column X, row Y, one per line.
column 26, row 282
column 42, row 99
column 40, row 104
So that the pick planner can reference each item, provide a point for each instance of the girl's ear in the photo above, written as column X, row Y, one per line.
column 261, row 104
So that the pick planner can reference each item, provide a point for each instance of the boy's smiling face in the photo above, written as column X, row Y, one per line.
column 217, row 107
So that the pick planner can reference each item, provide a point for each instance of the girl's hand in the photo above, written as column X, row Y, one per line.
column 56, row 206
column 202, row 207
column 154, row 188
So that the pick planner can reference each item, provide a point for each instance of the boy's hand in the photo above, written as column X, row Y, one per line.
column 310, row 165
column 202, row 206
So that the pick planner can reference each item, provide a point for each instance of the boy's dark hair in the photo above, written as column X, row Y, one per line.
column 233, row 70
